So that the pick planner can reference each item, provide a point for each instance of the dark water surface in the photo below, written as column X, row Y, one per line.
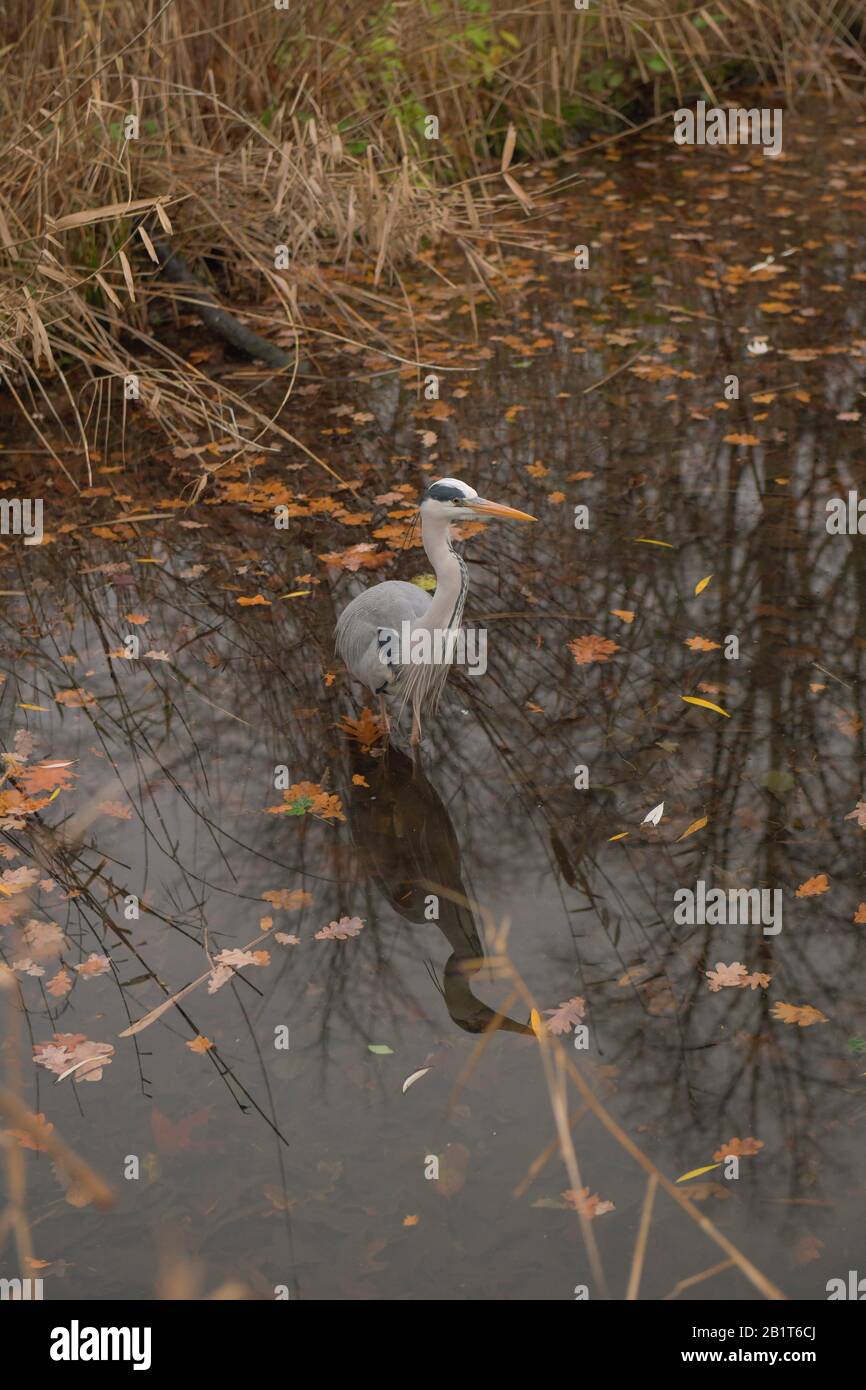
column 299, row 1168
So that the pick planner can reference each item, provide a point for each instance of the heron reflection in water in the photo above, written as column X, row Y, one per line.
column 409, row 847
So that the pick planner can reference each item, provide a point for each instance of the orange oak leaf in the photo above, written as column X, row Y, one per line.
column 739, row 1148
column 35, row 1138
column 586, row 650
column 338, row 931
column 802, row 1014
column 813, row 886
column 308, row 798
column 288, row 899
column 75, row 699
column 588, row 1205
column 44, row 778
column 725, row 976
column 566, row 1017
column 367, row 729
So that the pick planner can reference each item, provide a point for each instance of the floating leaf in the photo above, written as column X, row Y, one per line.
column 813, row 886
column 287, row 899
column 566, row 1017
column 586, row 650
column 740, row 1148
column 621, row 836
column 696, row 1172
column 645, row 540
column 695, row 825
column 702, row 584
column 726, row 976
column 802, row 1014
column 416, row 1076
column 705, row 704
column 380, row 1049
column 654, row 816
column 338, row 931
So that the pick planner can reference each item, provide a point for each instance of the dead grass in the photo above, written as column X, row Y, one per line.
column 305, row 129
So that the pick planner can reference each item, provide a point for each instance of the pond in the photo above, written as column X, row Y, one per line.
column 681, row 410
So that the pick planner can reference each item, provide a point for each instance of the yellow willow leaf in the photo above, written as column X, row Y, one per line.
column 645, row 540
column 696, row 1172
column 296, row 593
column 695, row 825
column 535, row 1022
column 702, row 584
column 705, row 704
column 621, row 836
column 43, row 709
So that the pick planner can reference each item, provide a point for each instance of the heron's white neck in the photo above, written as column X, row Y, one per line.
column 452, row 580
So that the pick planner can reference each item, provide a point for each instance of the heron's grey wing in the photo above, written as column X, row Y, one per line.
column 385, row 606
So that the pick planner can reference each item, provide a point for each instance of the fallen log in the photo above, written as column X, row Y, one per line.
column 220, row 322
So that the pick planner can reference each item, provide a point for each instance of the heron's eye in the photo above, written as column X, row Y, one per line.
column 455, row 501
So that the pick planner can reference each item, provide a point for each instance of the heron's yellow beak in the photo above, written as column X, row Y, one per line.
column 485, row 508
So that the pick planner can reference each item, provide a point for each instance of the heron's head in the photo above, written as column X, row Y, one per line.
column 453, row 500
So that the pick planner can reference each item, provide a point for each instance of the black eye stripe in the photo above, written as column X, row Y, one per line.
column 446, row 492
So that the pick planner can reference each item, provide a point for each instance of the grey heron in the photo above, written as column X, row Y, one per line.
column 377, row 633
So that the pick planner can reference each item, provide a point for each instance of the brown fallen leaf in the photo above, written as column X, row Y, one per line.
column 702, row 644
column 586, row 650
column 59, row 984
column 367, row 729
column 94, row 965
column 566, row 1017
column 44, row 778
column 200, row 1044
column 339, row 931
column 739, row 1148
column 726, row 976
column 73, row 1050
column 75, row 699
column 693, row 828
column 288, row 899
column 802, row 1014
column 308, row 798
column 34, row 1138
column 588, row 1205
column 813, row 886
